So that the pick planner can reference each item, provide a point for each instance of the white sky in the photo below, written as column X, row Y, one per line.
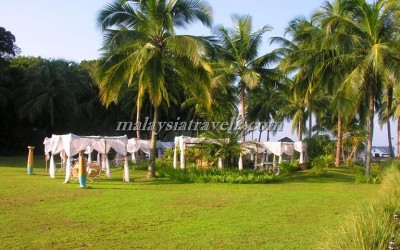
column 67, row 29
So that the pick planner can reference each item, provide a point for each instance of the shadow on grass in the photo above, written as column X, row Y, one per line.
column 339, row 175
column 309, row 176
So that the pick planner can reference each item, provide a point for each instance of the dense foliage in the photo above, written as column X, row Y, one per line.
column 331, row 73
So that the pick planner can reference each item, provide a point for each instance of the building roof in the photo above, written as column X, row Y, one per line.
column 383, row 149
column 285, row 139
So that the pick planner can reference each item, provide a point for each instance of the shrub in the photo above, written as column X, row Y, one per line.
column 371, row 226
column 321, row 163
column 375, row 174
column 213, row 175
column 288, row 167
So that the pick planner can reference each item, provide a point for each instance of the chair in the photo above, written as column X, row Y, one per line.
column 75, row 171
column 93, row 171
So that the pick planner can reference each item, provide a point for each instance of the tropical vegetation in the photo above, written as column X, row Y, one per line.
column 330, row 75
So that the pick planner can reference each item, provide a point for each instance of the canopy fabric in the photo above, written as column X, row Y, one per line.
column 70, row 144
column 184, row 141
column 135, row 145
column 47, row 144
column 276, row 148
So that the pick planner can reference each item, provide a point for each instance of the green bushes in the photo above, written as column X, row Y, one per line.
column 288, row 167
column 321, row 163
column 213, row 175
column 375, row 175
column 372, row 226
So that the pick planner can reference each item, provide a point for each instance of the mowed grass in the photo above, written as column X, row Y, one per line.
column 37, row 212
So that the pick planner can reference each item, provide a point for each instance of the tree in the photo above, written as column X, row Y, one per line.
column 140, row 43
column 48, row 96
column 240, row 56
column 294, row 107
column 8, row 48
column 367, row 46
column 264, row 102
column 302, row 59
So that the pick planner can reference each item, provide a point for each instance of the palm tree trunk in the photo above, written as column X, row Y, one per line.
column 339, row 140
column 138, row 118
column 370, row 134
column 388, row 112
column 243, row 99
column 153, row 149
column 300, row 131
column 398, row 137
column 391, row 153
column 309, row 120
column 259, row 135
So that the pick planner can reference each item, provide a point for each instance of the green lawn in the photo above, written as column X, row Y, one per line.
column 37, row 212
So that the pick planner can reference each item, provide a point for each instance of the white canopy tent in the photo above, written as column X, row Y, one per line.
column 276, row 148
column 70, row 144
column 184, row 141
column 134, row 145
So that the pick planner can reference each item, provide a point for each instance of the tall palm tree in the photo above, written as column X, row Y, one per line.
column 49, row 95
column 386, row 110
column 293, row 107
column 264, row 101
column 370, row 55
column 140, row 42
column 241, row 56
column 302, row 59
column 334, row 71
column 396, row 102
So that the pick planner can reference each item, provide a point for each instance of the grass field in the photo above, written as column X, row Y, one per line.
column 37, row 212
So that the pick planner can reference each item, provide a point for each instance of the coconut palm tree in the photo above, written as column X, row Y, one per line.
column 49, row 95
column 365, row 38
column 334, row 71
column 140, row 42
column 293, row 106
column 302, row 59
column 241, row 56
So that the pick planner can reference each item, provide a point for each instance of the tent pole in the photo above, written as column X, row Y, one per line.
column 45, row 159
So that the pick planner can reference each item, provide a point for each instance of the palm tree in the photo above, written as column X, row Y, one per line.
column 396, row 112
column 334, row 71
column 241, row 46
column 303, row 59
column 264, row 102
column 293, row 107
column 49, row 96
column 140, row 42
column 367, row 46
column 386, row 110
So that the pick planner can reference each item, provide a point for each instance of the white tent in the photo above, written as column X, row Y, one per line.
column 184, row 141
column 276, row 148
column 134, row 145
column 71, row 143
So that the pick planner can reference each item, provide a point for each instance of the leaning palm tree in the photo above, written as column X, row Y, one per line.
column 241, row 47
column 140, row 43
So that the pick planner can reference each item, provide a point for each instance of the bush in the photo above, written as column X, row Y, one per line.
column 371, row 226
column 321, row 164
column 212, row 175
column 375, row 175
column 288, row 167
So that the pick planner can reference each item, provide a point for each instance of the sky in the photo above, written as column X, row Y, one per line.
column 67, row 29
